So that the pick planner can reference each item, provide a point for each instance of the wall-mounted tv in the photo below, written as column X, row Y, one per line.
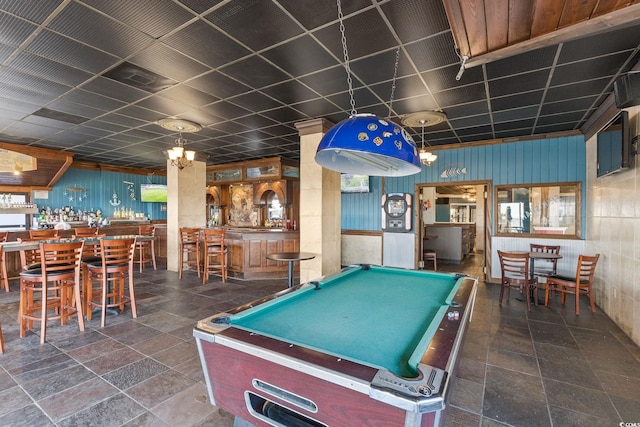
column 153, row 193
column 614, row 145
column 353, row 183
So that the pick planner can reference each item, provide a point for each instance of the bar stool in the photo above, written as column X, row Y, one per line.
column 43, row 234
column 144, row 247
column 58, row 282
column 91, row 254
column 189, row 245
column 430, row 255
column 114, row 268
column 3, row 262
column 79, row 233
column 30, row 258
column 215, row 254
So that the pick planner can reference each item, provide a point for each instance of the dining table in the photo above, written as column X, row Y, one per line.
column 16, row 246
column 533, row 256
column 290, row 257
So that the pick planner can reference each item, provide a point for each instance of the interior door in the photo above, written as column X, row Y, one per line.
column 487, row 233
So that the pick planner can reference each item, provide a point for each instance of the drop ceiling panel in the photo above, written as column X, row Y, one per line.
column 248, row 71
column 238, row 19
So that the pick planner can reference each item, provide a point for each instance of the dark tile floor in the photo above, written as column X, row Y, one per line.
column 543, row 368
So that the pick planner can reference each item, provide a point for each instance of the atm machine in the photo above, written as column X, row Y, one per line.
column 398, row 241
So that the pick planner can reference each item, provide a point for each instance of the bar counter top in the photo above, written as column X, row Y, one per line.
column 13, row 259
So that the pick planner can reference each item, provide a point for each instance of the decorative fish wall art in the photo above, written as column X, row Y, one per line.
column 451, row 172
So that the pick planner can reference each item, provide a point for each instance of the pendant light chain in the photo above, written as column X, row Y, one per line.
column 395, row 75
column 346, row 60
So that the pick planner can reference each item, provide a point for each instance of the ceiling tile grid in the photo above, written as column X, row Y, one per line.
column 92, row 77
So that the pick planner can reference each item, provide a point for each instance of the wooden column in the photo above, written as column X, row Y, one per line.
column 319, row 205
column 186, row 205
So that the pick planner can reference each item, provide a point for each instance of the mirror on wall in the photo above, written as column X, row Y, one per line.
column 538, row 209
column 274, row 208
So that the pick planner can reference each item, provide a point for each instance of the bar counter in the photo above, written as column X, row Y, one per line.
column 248, row 249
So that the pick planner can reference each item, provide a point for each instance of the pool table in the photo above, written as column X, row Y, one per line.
column 368, row 346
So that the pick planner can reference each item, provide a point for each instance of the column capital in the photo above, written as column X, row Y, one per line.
column 309, row 127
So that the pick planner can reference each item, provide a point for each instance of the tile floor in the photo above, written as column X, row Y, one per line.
column 543, row 368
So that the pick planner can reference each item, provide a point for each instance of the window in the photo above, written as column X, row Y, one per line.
column 541, row 210
column 10, row 221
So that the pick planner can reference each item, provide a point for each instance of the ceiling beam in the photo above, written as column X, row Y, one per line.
column 629, row 15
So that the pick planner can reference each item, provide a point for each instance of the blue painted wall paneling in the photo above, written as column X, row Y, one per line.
column 99, row 189
column 524, row 162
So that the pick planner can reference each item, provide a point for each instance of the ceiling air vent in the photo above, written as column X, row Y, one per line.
column 60, row 116
column 132, row 75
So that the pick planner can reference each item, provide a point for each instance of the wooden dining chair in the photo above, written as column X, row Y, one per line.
column 189, row 249
column 146, row 248
column 57, row 282
column 215, row 254
column 545, row 267
column 580, row 284
column 110, row 274
column 43, row 234
column 514, row 267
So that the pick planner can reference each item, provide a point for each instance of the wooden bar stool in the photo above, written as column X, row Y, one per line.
column 146, row 249
column 110, row 273
column 58, row 283
column 189, row 249
column 215, row 254
column 3, row 262
column 79, row 233
column 91, row 254
column 43, row 234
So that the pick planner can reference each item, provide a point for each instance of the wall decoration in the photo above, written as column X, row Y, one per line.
column 241, row 205
column 75, row 194
column 132, row 189
column 453, row 172
column 115, row 201
column 11, row 161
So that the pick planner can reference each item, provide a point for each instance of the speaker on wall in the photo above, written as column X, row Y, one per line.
column 627, row 90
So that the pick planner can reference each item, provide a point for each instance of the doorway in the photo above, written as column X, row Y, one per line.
column 454, row 209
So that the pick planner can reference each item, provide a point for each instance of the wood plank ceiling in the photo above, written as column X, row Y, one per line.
column 487, row 30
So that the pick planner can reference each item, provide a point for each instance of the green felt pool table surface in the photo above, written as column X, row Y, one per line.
column 377, row 316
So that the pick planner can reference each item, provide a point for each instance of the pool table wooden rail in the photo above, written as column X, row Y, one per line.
column 248, row 356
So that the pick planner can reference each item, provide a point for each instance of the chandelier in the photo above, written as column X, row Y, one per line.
column 180, row 157
column 427, row 157
column 423, row 119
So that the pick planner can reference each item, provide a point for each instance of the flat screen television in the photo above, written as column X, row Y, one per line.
column 614, row 145
column 354, row 183
column 153, row 193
